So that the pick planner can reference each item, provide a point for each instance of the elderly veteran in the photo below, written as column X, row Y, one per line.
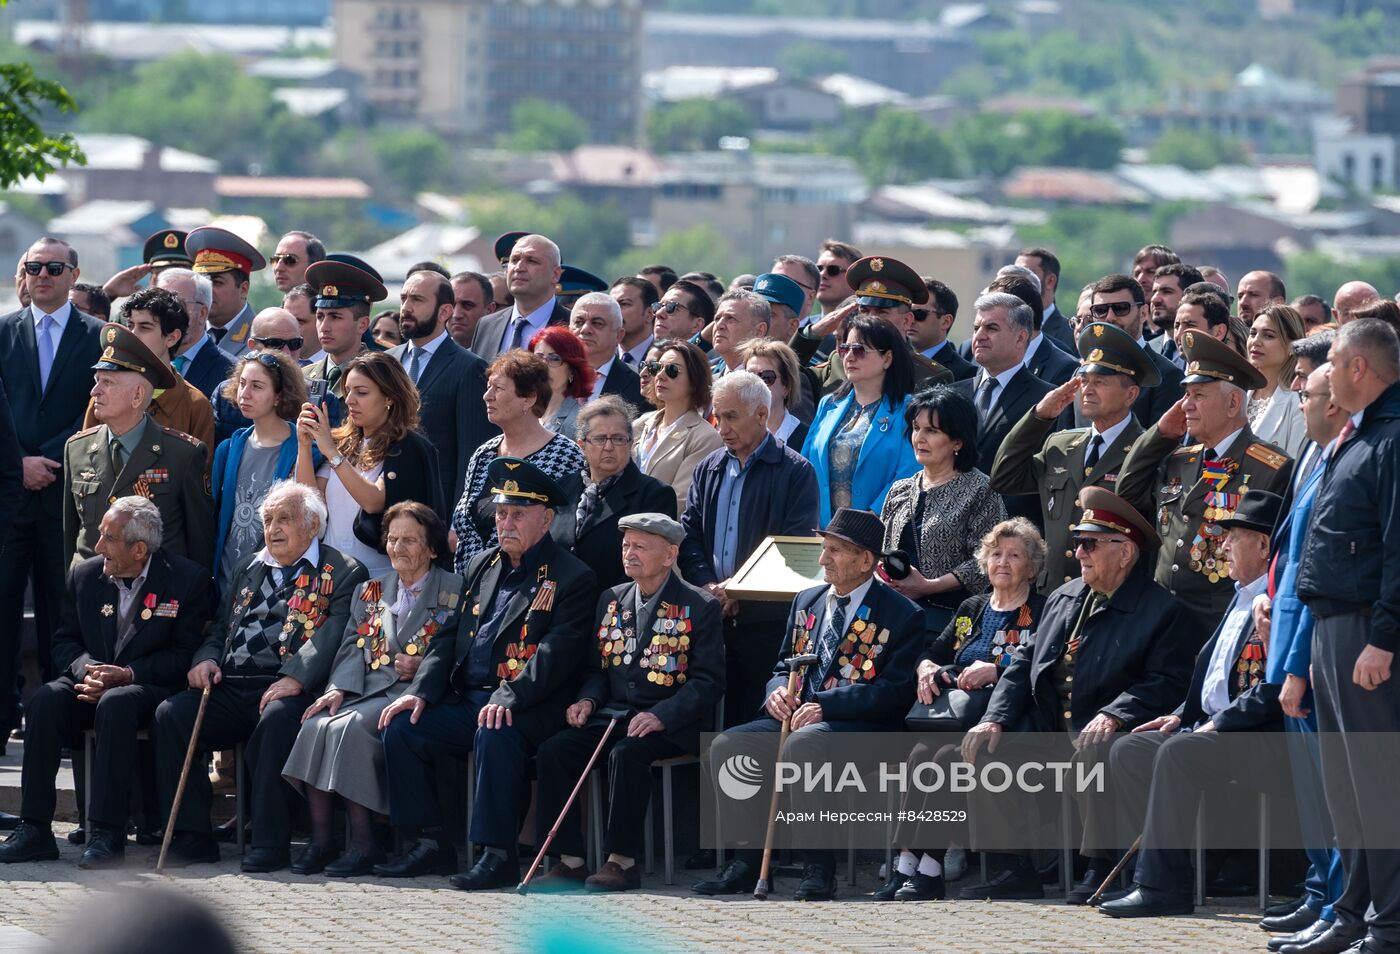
column 866, row 638
column 267, row 657
column 497, row 685
column 128, row 454
column 133, row 616
column 1190, row 489
column 1112, row 650
column 393, row 621
column 659, row 671
column 1035, row 459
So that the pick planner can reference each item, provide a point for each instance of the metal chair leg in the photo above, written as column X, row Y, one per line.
column 650, row 839
column 668, row 831
column 595, row 820
column 471, row 801
column 238, row 768
column 1263, row 851
column 1066, row 849
column 1200, row 851
column 89, row 740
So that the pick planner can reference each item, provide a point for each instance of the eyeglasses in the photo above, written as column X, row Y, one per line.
column 53, row 268
column 553, row 360
column 769, row 378
column 831, row 270
column 654, row 368
column 603, row 440
column 1119, row 308
column 284, row 259
column 857, row 351
column 277, row 344
column 669, row 307
column 267, row 360
column 1089, row 543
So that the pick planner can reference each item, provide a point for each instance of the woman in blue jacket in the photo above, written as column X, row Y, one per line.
column 269, row 389
column 856, row 442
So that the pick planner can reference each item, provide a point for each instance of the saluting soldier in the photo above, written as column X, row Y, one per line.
column 1189, row 489
column 129, row 454
column 1113, row 370
column 498, row 685
column 164, row 249
column 229, row 262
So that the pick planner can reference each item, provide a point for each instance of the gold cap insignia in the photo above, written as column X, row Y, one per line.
column 1096, row 355
column 1188, row 340
column 877, row 264
column 330, row 291
column 111, row 335
column 511, row 487
column 171, row 241
column 511, row 466
column 875, row 286
column 1098, row 330
column 108, row 354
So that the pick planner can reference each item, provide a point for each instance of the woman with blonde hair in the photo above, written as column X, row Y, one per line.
column 1274, row 412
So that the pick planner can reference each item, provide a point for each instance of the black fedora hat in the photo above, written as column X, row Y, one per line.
column 860, row 528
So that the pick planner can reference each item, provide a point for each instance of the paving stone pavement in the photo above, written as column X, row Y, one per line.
column 284, row 913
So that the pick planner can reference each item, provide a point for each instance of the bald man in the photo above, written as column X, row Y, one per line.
column 1350, row 297
column 531, row 278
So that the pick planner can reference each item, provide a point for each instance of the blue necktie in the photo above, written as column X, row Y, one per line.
column 831, row 637
column 45, row 350
column 414, row 362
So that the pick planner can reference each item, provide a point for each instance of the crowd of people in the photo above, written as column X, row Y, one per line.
column 509, row 513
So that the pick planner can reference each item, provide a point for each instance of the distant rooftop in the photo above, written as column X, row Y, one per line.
column 813, row 28
column 607, row 166
column 290, row 187
column 121, row 152
column 100, row 217
column 141, row 42
column 767, row 170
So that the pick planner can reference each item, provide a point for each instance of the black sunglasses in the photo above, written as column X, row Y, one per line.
column 668, row 306
column 831, row 270
column 53, row 268
column 1090, row 543
column 769, row 378
column 859, row 350
column 1119, row 308
column 654, row 368
column 277, row 344
column 284, row 259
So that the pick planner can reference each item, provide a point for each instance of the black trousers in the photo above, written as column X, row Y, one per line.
column 561, row 761
column 1361, row 802
column 33, row 549
column 929, row 837
column 232, row 717
column 56, row 718
column 751, row 643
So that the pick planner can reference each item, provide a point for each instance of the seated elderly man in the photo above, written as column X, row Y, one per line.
column 1163, row 768
column 659, row 672
column 266, row 659
column 1112, row 650
column 499, row 689
column 133, row 615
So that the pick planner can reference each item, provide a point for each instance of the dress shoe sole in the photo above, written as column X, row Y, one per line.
column 262, row 869
column 32, row 856
column 118, row 861
column 358, row 872
column 1152, row 911
column 721, row 892
column 438, row 870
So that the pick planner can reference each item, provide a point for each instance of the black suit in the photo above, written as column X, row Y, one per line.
column 1055, row 326
column 209, row 369
column 158, row 651
column 493, row 333
column 1051, row 364
column 1020, row 394
column 1153, row 402
column 948, row 356
column 453, row 418
column 623, row 381
column 598, row 543
column 44, row 419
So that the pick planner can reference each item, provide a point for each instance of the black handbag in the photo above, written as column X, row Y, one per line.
column 952, row 710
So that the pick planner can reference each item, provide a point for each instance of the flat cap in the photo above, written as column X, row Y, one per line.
column 654, row 523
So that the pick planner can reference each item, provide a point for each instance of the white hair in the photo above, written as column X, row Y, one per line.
column 1020, row 271
column 747, row 387
column 203, row 288
column 606, row 301
column 313, row 508
column 143, row 523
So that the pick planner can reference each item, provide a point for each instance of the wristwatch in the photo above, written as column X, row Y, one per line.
column 336, row 461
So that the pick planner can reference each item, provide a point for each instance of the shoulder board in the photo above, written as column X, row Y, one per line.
column 171, row 432
column 90, row 430
column 1267, row 455
column 1193, row 449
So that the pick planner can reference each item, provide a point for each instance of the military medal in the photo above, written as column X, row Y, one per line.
column 150, row 605
column 107, row 609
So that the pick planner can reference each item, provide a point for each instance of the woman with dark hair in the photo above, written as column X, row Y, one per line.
column 374, row 460
column 570, row 377
column 517, row 392
column 936, row 517
column 268, row 389
column 855, row 442
column 393, row 621
column 1274, row 413
column 777, row 365
column 671, row 440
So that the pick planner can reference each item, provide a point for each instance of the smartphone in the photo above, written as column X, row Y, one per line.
column 316, row 390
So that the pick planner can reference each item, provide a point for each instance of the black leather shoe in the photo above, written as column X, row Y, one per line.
column 1334, row 940
column 1292, row 922
column 105, row 849
column 1113, row 895
column 28, row 843
column 886, row 891
column 921, row 887
column 818, row 884
column 1284, row 907
column 264, row 860
column 419, row 859
column 8, row 822
column 491, row 871
column 313, row 859
column 1309, row 933
column 78, row 836
column 227, row 833
column 1148, row 903
column 738, row 877
column 1085, row 887
column 186, row 850
column 1019, row 882
column 353, row 864
column 702, row 860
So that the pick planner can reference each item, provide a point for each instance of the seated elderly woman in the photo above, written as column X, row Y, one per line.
column 393, row 620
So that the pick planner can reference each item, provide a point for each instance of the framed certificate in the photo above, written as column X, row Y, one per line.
column 779, row 569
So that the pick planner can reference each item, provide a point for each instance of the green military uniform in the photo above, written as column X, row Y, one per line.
column 1033, row 459
column 1188, row 490
column 341, row 281
column 166, row 466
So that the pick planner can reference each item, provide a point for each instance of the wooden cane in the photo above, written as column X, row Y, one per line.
column 760, row 888
column 184, row 777
column 524, row 885
column 1117, row 870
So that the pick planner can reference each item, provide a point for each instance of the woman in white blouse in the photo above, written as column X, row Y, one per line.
column 1274, row 412
column 671, row 440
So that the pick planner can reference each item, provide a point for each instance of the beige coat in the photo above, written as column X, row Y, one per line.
column 673, row 460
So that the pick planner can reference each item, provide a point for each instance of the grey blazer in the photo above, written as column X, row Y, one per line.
column 674, row 459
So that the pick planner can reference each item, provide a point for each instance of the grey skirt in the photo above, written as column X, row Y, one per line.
column 343, row 753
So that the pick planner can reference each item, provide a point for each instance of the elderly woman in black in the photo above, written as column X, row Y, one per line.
column 393, row 621
column 969, row 655
column 934, row 519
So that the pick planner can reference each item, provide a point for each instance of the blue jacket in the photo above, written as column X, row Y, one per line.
column 885, row 456
column 1290, row 630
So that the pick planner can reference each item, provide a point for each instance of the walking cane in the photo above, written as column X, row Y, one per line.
column 1117, row 869
column 524, row 885
column 795, row 667
column 184, row 777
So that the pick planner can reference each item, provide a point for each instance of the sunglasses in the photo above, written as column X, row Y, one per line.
column 553, row 360
column 277, row 344
column 1119, row 308
column 1090, row 543
column 267, row 360
column 831, row 270
column 654, row 368
column 603, row 440
column 53, row 268
column 857, row 350
column 668, row 306
column 769, row 378
column 284, row 259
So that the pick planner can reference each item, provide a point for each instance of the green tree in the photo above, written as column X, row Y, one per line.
column 28, row 150
column 537, row 125
column 589, row 236
column 806, row 60
column 1056, row 138
column 693, row 125
column 1195, row 150
column 1319, row 274
column 901, row 146
column 699, row 248
column 414, row 159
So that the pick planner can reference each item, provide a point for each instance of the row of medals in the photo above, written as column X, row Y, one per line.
column 665, row 658
column 862, row 634
column 1205, row 551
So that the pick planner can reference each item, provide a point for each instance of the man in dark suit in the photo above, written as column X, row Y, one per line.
column 597, row 321
column 614, row 487
column 866, row 638
column 1118, row 300
column 47, row 350
column 1046, row 266
column 1003, row 390
column 198, row 359
column 265, row 660
column 531, row 275
column 928, row 336
column 1113, row 649
column 659, row 670
column 1169, row 284
column 451, row 381
column 133, row 618
column 498, row 686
